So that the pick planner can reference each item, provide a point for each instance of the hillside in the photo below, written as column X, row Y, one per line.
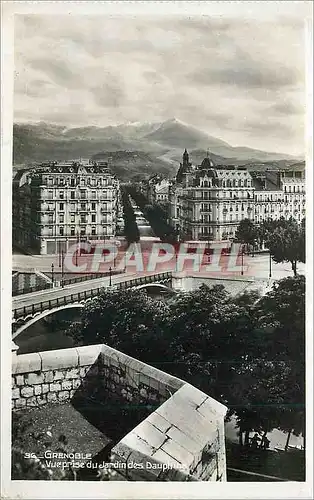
column 134, row 148
column 131, row 164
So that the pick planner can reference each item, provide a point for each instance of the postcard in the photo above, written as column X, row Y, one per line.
column 156, row 250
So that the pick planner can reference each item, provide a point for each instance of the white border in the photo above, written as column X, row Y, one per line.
column 46, row 490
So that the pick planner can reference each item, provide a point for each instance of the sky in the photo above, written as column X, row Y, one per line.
column 242, row 81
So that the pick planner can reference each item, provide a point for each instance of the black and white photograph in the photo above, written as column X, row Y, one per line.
column 156, row 249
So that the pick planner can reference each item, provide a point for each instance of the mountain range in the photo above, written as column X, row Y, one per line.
column 132, row 148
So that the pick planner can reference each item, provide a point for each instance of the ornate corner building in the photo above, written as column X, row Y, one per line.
column 58, row 204
column 207, row 202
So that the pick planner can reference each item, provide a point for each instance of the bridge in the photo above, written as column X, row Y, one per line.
column 31, row 307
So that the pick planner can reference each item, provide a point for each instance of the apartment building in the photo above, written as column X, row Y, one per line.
column 22, row 234
column 279, row 194
column 69, row 201
column 208, row 201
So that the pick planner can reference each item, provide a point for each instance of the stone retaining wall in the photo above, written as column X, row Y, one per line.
column 181, row 437
column 52, row 376
column 57, row 376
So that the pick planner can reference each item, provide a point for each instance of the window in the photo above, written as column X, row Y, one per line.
column 93, row 218
column 93, row 231
column 50, row 231
column 83, row 219
column 82, row 182
column 93, row 194
column 72, row 218
column 50, row 195
column 72, row 182
column 61, row 231
column 61, row 206
column 93, row 206
column 50, row 181
column 61, row 194
column 50, row 218
column 83, row 232
column 61, row 181
column 72, row 231
column 83, row 193
column 61, row 219
column 83, row 206
column 72, row 195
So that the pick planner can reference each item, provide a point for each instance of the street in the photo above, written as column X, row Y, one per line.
column 52, row 294
column 277, row 438
column 257, row 266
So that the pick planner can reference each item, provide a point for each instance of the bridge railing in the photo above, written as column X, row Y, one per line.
column 79, row 279
column 22, row 312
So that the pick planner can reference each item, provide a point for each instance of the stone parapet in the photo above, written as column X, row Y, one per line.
column 182, row 438
column 186, row 432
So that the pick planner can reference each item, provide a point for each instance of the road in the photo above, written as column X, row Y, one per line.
column 258, row 266
column 52, row 294
column 277, row 438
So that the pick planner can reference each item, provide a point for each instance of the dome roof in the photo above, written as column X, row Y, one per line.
column 207, row 163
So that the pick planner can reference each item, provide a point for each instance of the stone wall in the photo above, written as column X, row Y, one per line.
column 23, row 282
column 186, row 433
column 56, row 376
column 179, row 437
column 234, row 285
column 39, row 378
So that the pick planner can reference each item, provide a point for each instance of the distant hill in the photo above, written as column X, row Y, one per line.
column 130, row 164
column 134, row 148
column 177, row 134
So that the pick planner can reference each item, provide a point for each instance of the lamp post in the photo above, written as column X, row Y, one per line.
column 269, row 264
column 59, row 253
column 242, row 253
column 52, row 275
column 77, row 249
column 62, row 269
column 110, row 274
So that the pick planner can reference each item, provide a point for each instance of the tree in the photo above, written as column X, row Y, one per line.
column 286, row 242
column 246, row 351
column 155, row 215
column 131, row 230
column 270, row 385
column 282, row 329
column 215, row 327
column 247, row 233
column 127, row 320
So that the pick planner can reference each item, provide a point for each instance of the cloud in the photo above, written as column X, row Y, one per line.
column 229, row 77
column 249, row 77
column 287, row 108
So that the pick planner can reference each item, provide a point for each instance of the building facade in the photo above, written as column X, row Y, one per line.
column 279, row 194
column 69, row 202
column 207, row 202
column 211, row 201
